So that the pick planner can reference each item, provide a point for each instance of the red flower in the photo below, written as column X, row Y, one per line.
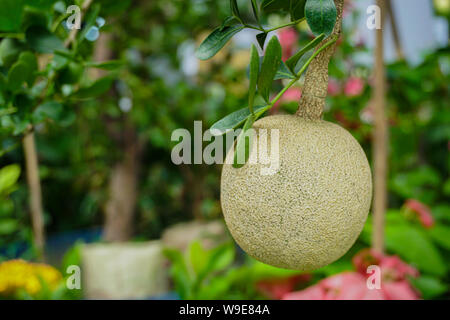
column 422, row 211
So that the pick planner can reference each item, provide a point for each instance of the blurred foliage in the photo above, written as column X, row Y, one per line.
column 153, row 85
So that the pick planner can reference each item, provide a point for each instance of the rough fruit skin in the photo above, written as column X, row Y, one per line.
column 312, row 210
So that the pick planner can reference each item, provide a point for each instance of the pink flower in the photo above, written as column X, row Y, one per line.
column 394, row 269
column 422, row 212
column 277, row 288
column 399, row 290
column 333, row 87
column 288, row 39
column 353, row 285
column 354, row 87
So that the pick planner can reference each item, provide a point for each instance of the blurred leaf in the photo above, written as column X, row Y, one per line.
column 9, row 51
column 430, row 287
column 441, row 213
column 270, row 6
column 216, row 40
column 40, row 4
column 17, row 75
column 42, row 40
column 255, row 9
column 221, row 257
column 235, row 9
column 269, row 67
column 243, row 145
column 30, row 60
column 297, row 9
column 321, row 16
column 8, row 226
column 11, row 15
column 198, row 257
column 8, row 178
column 441, row 235
column 412, row 245
column 254, row 71
column 49, row 109
column 233, row 120
column 97, row 88
column 291, row 63
column 89, row 21
column 107, row 65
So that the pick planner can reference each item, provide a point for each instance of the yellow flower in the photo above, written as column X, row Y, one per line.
column 19, row 274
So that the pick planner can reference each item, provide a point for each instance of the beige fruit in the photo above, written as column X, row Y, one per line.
column 310, row 212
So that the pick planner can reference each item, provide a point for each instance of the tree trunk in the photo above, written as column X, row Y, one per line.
column 121, row 203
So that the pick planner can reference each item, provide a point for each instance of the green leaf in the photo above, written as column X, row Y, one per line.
column 107, row 65
column 430, row 287
column 216, row 40
column 42, row 40
column 292, row 61
column 270, row 6
column 243, row 145
column 414, row 247
column 8, row 178
column 11, row 15
column 229, row 21
column 47, row 110
column 8, row 226
column 235, row 9
column 40, row 4
column 97, row 88
column 261, row 38
column 297, row 9
column 269, row 67
column 321, row 16
column 441, row 235
column 30, row 60
column 233, row 120
column 17, row 75
column 198, row 257
column 283, row 72
column 255, row 9
column 9, row 51
column 254, row 71
column 89, row 21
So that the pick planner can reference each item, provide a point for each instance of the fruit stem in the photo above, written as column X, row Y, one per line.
column 315, row 88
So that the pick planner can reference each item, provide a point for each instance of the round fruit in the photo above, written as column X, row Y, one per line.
column 311, row 211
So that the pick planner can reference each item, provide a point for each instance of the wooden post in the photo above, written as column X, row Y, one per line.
column 380, row 139
column 34, row 183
